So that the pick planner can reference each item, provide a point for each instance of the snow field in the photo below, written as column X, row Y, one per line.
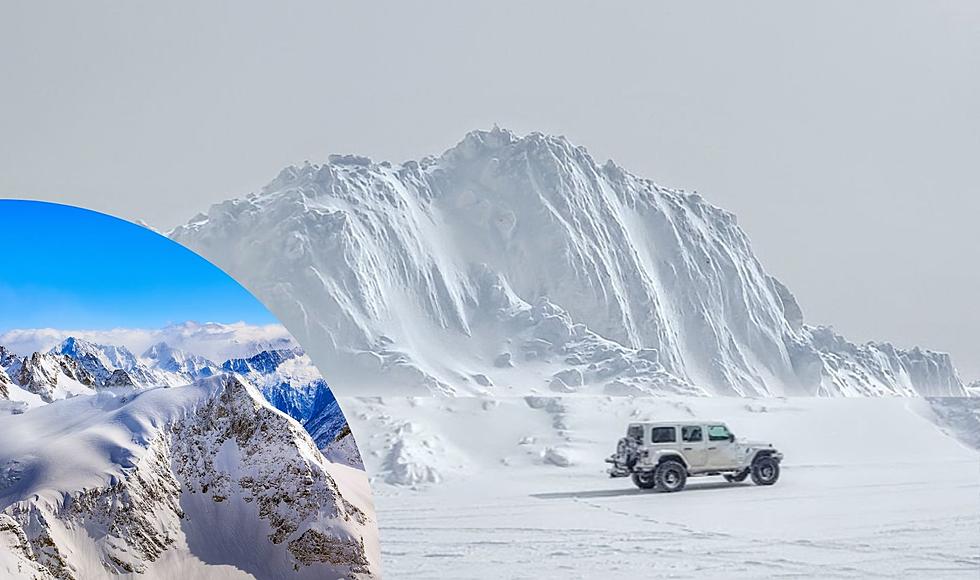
column 516, row 488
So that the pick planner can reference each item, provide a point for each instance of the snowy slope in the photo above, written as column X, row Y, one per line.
column 515, row 487
column 513, row 265
column 199, row 481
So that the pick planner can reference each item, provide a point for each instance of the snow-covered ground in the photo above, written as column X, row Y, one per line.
column 473, row 488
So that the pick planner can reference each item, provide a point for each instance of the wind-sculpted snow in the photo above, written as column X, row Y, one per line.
column 518, row 264
column 200, row 479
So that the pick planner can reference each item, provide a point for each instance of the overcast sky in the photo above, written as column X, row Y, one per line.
column 844, row 135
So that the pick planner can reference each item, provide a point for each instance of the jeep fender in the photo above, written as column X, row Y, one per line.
column 762, row 453
column 670, row 455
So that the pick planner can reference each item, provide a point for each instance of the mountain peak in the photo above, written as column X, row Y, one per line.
column 72, row 345
column 489, row 143
column 159, row 351
column 658, row 285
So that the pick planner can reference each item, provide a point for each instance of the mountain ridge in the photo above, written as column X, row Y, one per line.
column 186, row 468
column 575, row 276
column 286, row 377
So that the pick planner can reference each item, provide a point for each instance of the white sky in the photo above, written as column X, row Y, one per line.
column 844, row 135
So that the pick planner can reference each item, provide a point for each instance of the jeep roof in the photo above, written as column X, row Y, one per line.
column 675, row 423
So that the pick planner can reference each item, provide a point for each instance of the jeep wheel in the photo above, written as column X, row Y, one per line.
column 670, row 476
column 765, row 471
column 736, row 477
column 644, row 480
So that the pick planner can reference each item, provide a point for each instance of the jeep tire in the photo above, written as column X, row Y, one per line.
column 644, row 479
column 765, row 470
column 737, row 477
column 670, row 476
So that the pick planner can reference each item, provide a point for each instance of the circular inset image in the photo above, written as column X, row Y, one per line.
column 156, row 420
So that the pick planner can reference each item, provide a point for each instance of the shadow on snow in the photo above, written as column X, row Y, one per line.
column 592, row 494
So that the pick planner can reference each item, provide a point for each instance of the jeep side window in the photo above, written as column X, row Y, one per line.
column 717, row 433
column 663, row 435
column 691, row 433
column 635, row 432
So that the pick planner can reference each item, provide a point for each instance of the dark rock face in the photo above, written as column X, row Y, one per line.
column 119, row 378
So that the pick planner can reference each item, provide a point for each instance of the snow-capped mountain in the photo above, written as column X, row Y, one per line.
column 289, row 380
column 185, row 365
column 203, row 480
column 213, row 341
column 518, row 264
column 286, row 377
column 103, row 361
column 48, row 376
column 325, row 421
column 5, row 383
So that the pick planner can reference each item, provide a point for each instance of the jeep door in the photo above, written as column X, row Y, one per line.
column 721, row 450
column 692, row 444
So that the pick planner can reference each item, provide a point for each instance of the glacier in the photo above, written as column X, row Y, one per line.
column 515, row 265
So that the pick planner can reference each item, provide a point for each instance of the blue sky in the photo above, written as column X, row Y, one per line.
column 69, row 268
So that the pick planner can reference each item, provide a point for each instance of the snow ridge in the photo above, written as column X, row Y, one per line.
column 517, row 265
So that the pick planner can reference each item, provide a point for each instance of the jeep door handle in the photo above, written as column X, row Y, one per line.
column 688, row 448
column 712, row 448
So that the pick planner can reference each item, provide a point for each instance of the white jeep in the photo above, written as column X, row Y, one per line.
column 663, row 455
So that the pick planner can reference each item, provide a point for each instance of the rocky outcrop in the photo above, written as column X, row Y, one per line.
column 43, row 374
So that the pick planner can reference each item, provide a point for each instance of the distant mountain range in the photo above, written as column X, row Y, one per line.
column 286, row 377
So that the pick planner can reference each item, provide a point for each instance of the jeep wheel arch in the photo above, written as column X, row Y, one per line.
column 672, row 457
column 670, row 475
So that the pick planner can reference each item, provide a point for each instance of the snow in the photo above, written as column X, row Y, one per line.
column 206, row 487
column 492, row 318
column 524, row 251
column 343, row 450
column 175, row 466
column 870, row 488
column 286, row 377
